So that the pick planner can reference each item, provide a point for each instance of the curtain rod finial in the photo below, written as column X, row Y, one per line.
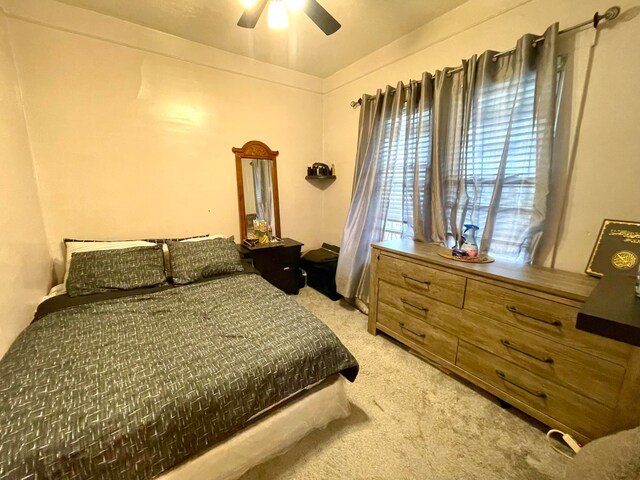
column 356, row 103
column 612, row 13
column 609, row 15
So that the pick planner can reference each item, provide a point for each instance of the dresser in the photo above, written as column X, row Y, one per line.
column 510, row 330
column 279, row 265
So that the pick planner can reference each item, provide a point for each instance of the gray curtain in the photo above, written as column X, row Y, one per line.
column 526, row 83
column 262, row 181
column 458, row 166
column 388, row 122
column 451, row 120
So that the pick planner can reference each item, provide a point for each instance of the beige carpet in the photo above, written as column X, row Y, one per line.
column 411, row 421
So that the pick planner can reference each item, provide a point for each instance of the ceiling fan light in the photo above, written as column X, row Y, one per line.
column 248, row 3
column 277, row 16
column 294, row 5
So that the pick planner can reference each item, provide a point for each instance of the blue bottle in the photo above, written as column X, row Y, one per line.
column 470, row 245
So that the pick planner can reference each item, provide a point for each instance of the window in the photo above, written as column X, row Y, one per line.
column 399, row 223
column 504, row 124
column 502, row 116
column 393, row 151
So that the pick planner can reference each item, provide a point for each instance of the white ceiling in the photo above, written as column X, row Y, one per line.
column 366, row 26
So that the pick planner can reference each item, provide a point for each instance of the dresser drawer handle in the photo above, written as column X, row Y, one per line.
column 555, row 323
column 409, row 304
column 535, row 393
column 423, row 282
column 512, row 346
column 421, row 335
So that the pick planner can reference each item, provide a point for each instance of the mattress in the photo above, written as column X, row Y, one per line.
column 131, row 384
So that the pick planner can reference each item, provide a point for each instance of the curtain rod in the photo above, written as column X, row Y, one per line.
column 609, row 15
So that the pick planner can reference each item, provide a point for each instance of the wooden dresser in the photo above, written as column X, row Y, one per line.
column 510, row 330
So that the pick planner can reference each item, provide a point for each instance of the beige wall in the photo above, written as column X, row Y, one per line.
column 605, row 178
column 131, row 143
column 24, row 258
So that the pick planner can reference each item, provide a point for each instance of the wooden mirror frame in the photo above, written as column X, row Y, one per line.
column 259, row 150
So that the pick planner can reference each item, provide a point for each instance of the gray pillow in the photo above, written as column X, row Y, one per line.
column 120, row 269
column 192, row 261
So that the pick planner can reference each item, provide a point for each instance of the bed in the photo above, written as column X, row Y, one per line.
column 138, row 383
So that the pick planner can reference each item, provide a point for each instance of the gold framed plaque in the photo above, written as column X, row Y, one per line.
column 617, row 249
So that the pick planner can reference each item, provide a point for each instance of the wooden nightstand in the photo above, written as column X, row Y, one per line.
column 278, row 265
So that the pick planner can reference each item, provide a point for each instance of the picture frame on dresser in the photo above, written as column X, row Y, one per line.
column 617, row 249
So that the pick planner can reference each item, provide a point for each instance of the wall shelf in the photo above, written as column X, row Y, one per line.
column 320, row 177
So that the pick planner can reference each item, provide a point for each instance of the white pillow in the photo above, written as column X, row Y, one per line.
column 74, row 247
column 55, row 291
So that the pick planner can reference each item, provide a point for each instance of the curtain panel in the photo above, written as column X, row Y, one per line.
column 467, row 146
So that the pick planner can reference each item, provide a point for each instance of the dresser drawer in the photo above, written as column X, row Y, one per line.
column 426, row 309
column 596, row 378
column 443, row 286
column 539, row 315
column 585, row 415
column 417, row 333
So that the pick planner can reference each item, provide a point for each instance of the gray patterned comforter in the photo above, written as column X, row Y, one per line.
column 130, row 387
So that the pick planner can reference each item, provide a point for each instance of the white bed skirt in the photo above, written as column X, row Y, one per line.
column 270, row 436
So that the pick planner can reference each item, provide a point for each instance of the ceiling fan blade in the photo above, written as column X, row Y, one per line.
column 251, row 15
column 321, row 17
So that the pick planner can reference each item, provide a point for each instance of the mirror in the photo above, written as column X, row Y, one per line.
column 257, row 177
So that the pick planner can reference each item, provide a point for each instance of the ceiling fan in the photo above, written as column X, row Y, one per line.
column 312, row 8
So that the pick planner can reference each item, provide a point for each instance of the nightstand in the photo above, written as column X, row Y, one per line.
column 279, row 265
